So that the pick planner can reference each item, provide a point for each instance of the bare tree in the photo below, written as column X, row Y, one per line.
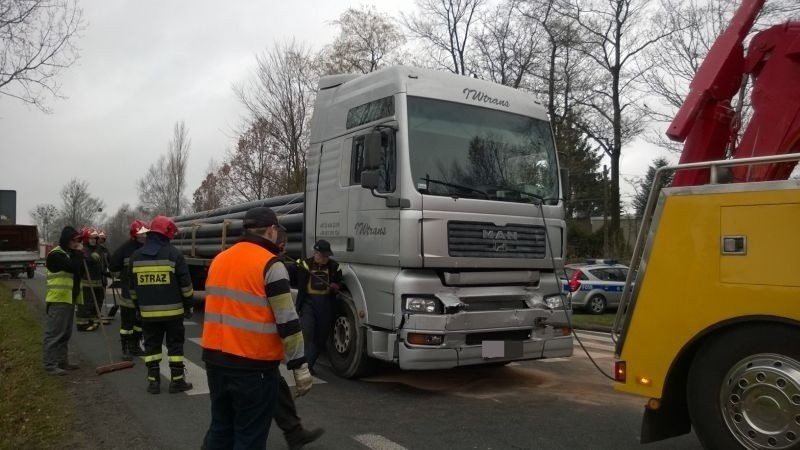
column 37, row 42
column 252, row 171
column 444, row 27
column 615, row 33
column 281, row 94
column 510, row 45
column 161, row 190
column 210, row 193
column 78, row 207
column 367, row 38
column 677, row 58
column 46, row 217
column 117, row 226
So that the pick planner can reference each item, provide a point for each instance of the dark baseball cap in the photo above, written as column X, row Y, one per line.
column 261, row 217
column 323, row 247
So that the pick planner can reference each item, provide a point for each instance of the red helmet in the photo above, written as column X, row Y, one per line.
column 164, row 225
column 86, row 233
column 138, row 227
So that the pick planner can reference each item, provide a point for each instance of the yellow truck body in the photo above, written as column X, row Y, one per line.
column 720, row 267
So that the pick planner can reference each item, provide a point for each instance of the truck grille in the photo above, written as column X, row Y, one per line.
column 487, row 240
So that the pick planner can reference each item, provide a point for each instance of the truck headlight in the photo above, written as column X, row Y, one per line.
column 430, row 305
column 557, row 301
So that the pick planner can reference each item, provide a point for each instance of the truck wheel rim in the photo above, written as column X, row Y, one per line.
column 760, row 400
column 341, row 334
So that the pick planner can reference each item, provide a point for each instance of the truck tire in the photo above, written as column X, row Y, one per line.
column 31, row 272
column 347, row 345
column 743, row 389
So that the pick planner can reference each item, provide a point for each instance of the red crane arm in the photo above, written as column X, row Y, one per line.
column 705, row 119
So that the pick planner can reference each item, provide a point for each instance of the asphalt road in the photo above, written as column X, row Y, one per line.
column 552, row 404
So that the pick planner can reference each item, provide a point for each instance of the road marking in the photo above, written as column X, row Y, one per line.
column 289, row 377
column 377, row 442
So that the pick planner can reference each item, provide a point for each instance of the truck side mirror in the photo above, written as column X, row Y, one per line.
column 370, row 179
column 373, row 150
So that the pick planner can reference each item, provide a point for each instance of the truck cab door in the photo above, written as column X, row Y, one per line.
column 374, row 227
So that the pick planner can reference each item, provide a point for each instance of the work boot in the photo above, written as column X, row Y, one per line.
column 55, row 371
column 153, row 380
column 302, row 437
column 126, row 349
column 178, row 382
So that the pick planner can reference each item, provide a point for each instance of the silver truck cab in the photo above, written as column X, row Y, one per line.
column 441, row 198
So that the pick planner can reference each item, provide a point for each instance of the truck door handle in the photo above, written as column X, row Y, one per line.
column 351, row 244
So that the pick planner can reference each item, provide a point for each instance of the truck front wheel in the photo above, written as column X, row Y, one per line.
column 744, row 389
column 348, row 343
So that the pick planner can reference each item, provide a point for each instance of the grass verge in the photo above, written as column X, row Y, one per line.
column 591, row 321
column 34, row 411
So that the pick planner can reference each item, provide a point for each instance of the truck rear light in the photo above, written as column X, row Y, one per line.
column 424, row 339
column 620, row 371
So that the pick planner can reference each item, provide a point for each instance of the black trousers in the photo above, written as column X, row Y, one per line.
column 285, row 414
column 128, row 323
column 154, row 334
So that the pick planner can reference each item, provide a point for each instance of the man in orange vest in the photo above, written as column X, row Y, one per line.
column 250, row 326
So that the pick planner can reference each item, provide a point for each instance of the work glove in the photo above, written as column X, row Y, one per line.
column 188, row 312
column 334, row 287
column 302, row 380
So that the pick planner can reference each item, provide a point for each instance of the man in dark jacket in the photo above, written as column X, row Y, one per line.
column 130, row 328
column 64, row 264
column 319, row 279
column 161, row 288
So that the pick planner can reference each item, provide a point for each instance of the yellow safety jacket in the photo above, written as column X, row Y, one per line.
column 59, row 285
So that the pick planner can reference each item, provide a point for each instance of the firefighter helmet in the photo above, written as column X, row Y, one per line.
column 87, row 233
column 164, row 225
column 138, row 227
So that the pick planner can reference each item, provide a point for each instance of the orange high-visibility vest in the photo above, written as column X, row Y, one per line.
column 238, row 319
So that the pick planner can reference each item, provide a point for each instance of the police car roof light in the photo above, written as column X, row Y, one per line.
column 609, row 262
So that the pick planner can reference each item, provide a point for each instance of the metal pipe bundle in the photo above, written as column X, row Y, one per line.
column 205, row 233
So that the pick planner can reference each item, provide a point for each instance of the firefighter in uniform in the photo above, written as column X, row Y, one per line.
column 64, row 266
column 250, row 326
column 130, row 327
column 92, row 283
column 319, row 278
column 161, row 289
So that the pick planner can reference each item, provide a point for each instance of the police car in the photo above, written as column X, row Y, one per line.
column 595, row 286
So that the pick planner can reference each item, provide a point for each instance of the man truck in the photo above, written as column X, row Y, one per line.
column 442, row 200
column 709, row 324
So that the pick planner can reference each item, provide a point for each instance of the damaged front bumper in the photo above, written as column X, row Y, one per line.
column 471, row 338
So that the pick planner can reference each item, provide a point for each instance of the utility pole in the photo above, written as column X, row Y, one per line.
column 605, row 211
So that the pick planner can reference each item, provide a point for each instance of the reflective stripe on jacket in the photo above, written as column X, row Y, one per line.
column 160, row 284
column 238, row 318
column 59, row 285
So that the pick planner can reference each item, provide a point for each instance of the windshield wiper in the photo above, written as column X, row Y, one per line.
column 429, row 180
column 539, row 199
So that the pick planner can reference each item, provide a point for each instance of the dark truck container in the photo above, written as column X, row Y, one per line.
column 19, row 249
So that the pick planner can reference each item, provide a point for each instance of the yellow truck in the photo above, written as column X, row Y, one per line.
column 708, row 328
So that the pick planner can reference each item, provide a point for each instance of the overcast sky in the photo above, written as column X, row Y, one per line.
column 145, row 65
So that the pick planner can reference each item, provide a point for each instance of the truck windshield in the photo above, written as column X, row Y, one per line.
column 459, row 150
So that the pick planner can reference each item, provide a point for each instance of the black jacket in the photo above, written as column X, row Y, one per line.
column 171, row 286
column 303, row 277
column 119, row 263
